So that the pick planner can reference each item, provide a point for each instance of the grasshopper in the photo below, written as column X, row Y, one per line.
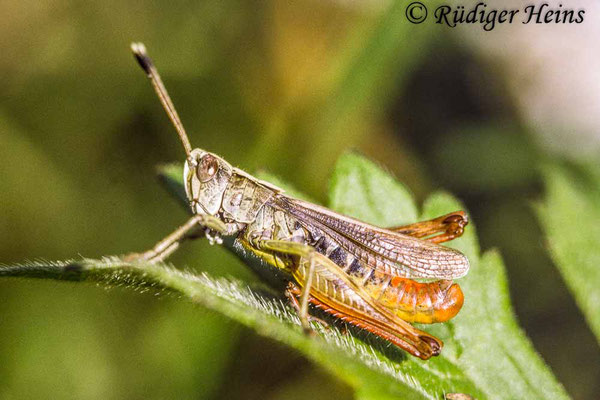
column 359, row 273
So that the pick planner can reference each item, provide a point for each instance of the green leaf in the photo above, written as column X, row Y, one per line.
column 360, row 189
column 569, row 216
column 485, row 354
column 484, row 342
column 344, row 355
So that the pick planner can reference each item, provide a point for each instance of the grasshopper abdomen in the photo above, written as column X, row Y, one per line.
column 424, row 303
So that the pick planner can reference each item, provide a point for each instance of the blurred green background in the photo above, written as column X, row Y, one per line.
column 281, row 86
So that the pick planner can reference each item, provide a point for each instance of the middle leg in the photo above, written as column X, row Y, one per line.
column 292, row 292
column 305, row 253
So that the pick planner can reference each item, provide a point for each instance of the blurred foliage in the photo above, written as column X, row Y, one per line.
column 570, row 215
column 486, row 325
column 286, row 86
column 476, row 169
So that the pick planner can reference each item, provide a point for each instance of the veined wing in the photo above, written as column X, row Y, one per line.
column 389, row 252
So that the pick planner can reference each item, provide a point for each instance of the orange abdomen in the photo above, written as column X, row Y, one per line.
column 424, row 303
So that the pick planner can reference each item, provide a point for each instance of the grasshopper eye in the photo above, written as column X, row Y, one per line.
column 207, row 168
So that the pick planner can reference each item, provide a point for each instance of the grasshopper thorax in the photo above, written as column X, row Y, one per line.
column 206, row 177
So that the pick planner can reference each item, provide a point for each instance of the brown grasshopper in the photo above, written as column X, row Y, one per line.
column 351, row 270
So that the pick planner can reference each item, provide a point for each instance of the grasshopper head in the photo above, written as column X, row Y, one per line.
column 206, row 176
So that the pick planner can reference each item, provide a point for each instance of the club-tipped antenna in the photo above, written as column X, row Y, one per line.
column 139, row 52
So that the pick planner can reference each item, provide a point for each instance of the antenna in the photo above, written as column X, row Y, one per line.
column 139, row 52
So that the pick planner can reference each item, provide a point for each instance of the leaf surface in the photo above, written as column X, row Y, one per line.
column 486, row 354
column 570, row 216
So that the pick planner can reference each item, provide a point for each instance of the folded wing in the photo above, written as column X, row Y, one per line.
column 387, row 251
